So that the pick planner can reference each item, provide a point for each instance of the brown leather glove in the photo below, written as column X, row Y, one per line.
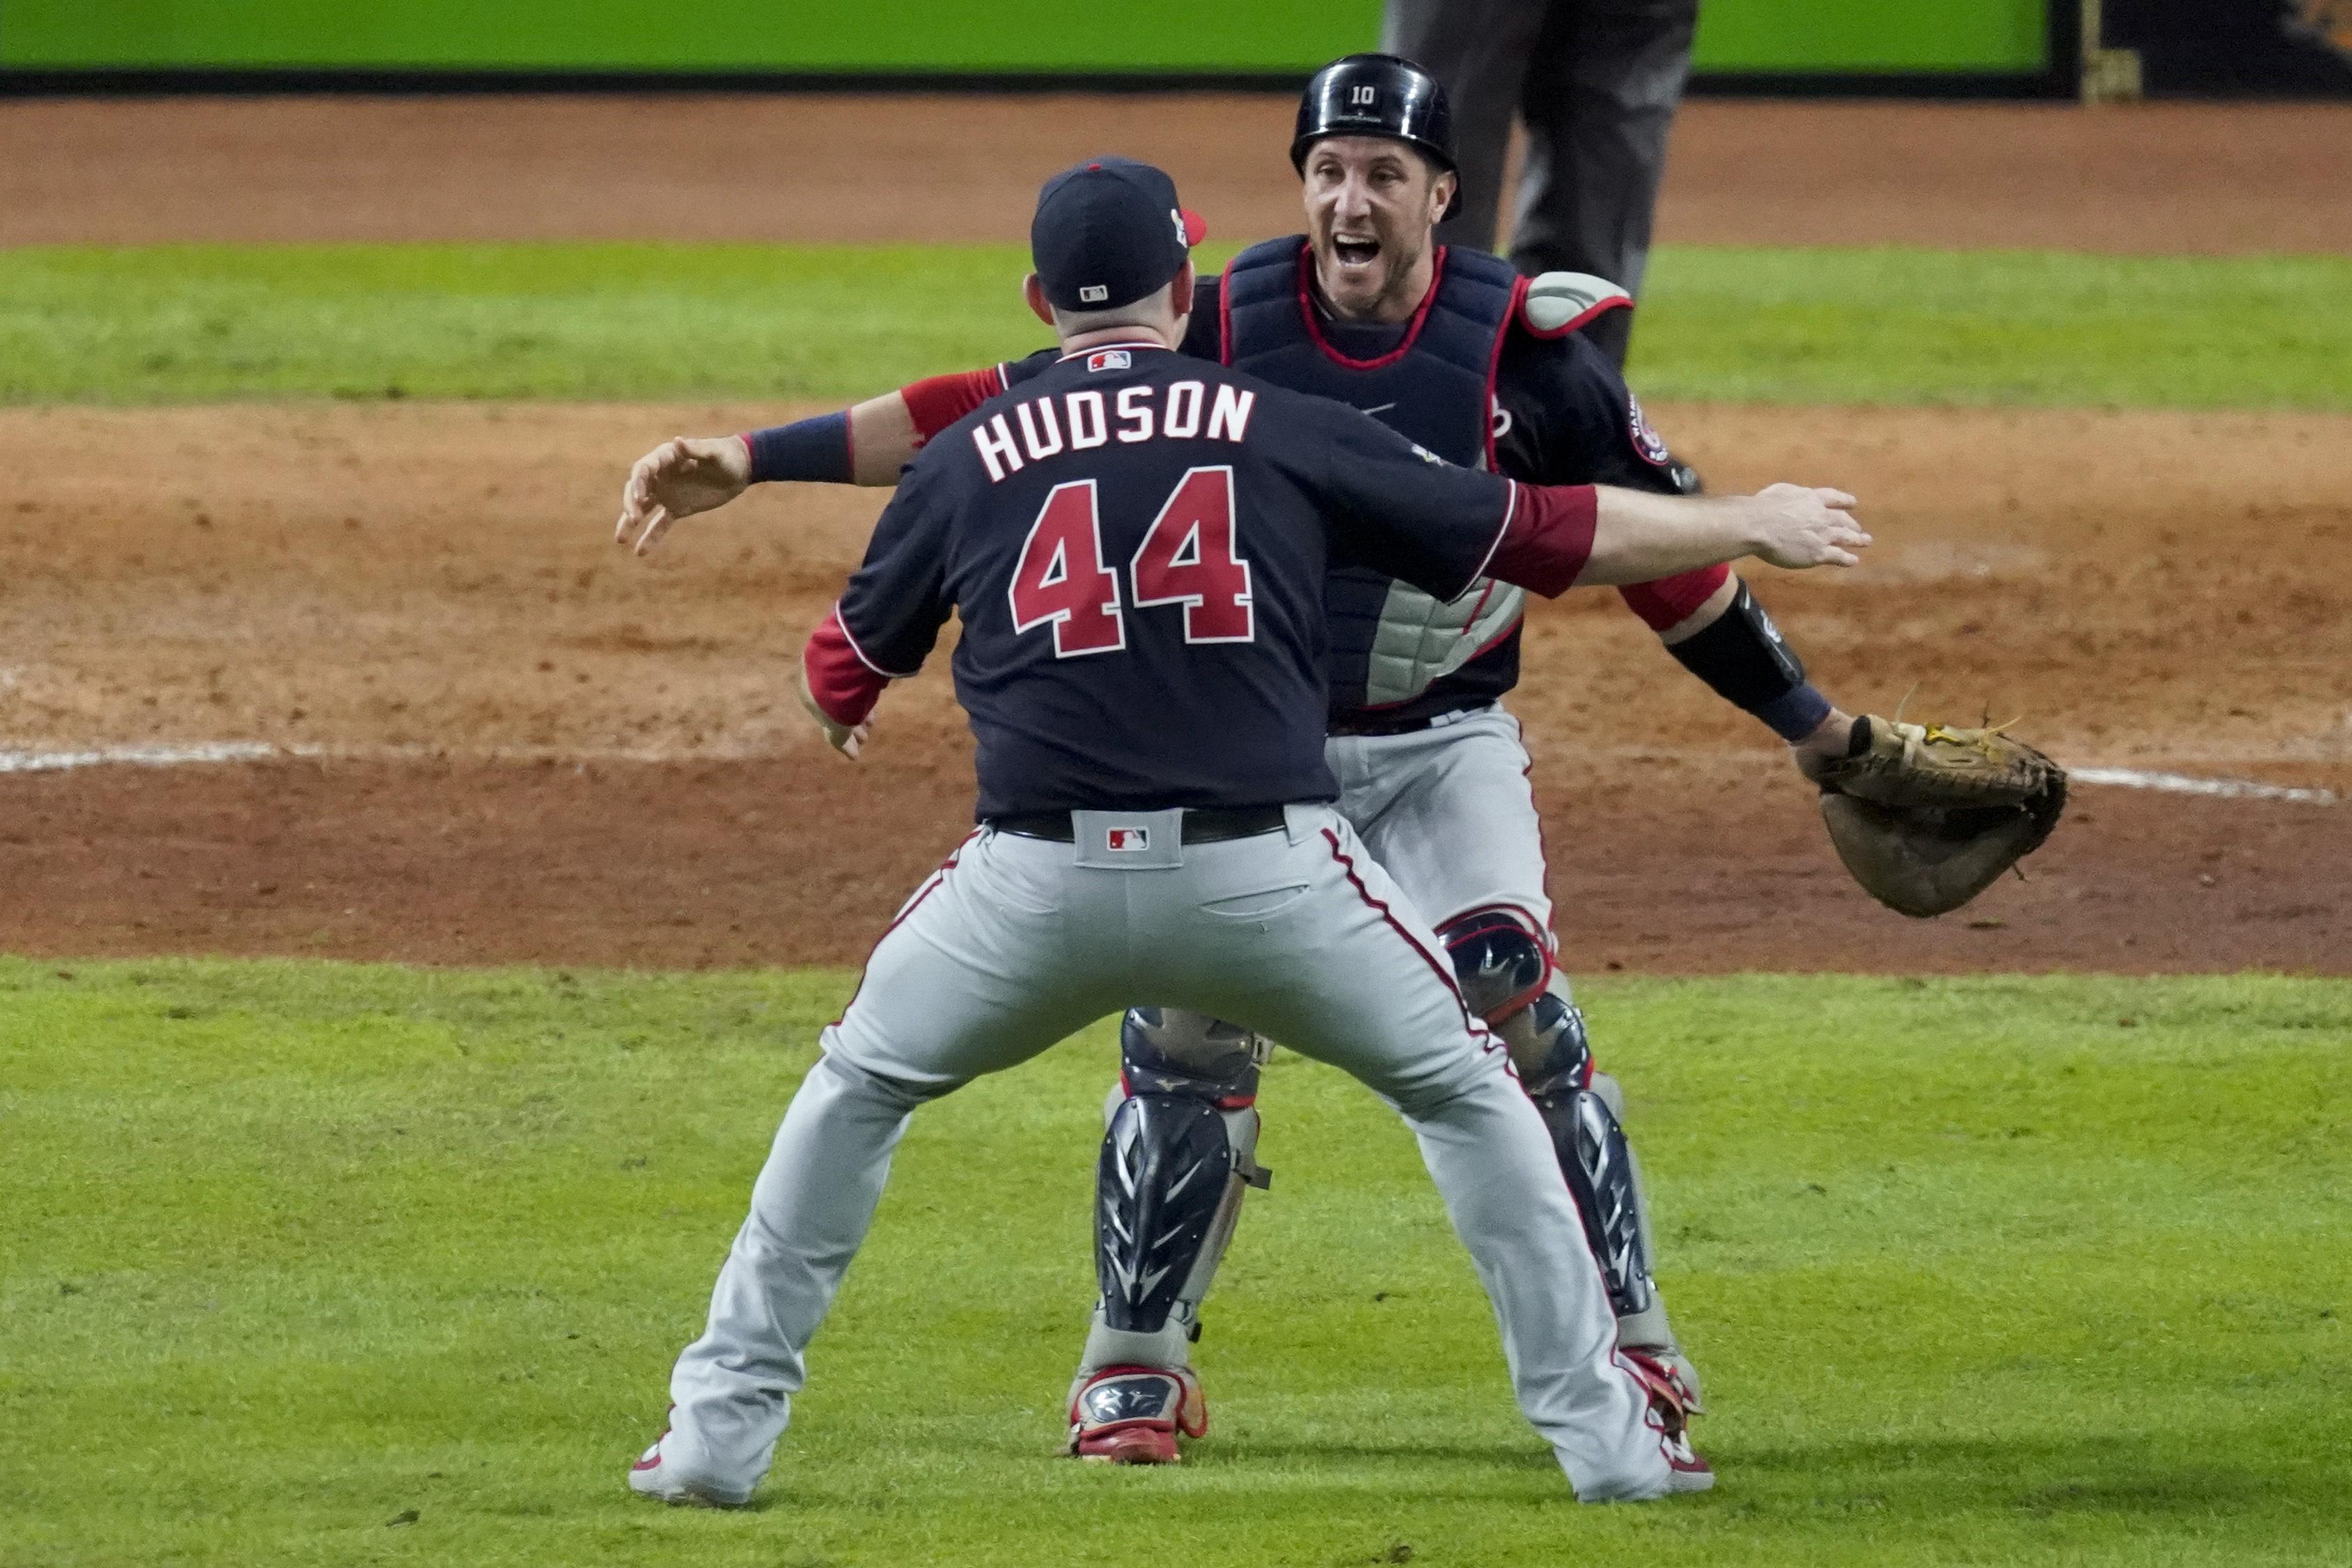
column 1924, row 817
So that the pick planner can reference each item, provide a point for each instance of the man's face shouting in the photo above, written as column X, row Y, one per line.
column 1371, row 204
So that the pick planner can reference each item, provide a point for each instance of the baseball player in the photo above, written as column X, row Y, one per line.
column 1137, row 545
column 1486, row 370
column 1596, row 82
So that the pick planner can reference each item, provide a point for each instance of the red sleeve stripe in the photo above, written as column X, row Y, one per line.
column 1671, row 601
column 844, row 685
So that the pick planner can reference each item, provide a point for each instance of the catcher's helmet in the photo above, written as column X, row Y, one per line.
column 1377, row 95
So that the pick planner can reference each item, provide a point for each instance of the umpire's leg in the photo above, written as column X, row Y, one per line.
column 1477, row 50
column 1599, row 99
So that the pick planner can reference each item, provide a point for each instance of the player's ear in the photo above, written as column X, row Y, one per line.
column 1180, row 300
column 1440, row 193
column 1035, row 293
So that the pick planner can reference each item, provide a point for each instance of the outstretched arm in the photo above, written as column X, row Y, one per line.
column 1400, row 510
column 866, row 444
column 1561, row 537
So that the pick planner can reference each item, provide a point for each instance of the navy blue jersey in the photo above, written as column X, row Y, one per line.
column 1136, row 543
column 1561, row 415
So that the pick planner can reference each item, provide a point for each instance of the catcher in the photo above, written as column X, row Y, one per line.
column 1486, row 371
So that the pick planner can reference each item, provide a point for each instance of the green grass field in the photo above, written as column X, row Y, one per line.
column 312, row 1264
column 629, row 321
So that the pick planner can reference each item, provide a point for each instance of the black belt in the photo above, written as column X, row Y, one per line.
column 1208, row 825
column 1364, row 723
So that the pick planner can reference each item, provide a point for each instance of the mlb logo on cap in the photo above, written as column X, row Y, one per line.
column 1093, row 293
column 1129, row 840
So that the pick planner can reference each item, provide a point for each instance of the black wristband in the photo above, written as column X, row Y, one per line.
column 1741, row 656
column 813, row 451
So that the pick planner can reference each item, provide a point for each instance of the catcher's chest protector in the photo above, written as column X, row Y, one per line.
column 1389, row 641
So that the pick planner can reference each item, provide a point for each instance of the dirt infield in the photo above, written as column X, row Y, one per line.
column 401, row 592
column 501, row 741
column 2174, row 178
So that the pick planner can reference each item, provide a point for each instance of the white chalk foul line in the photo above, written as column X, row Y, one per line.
column 221, row 751
column 2182, row 784
column 201, row 753
column 146, row 756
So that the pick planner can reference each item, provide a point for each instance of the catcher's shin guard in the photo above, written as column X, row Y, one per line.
column 1176, row 1158
column 1599, row 1165
column 1507, row 975
column 1167, row 1161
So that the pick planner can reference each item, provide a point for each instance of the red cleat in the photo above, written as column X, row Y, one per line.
column 1132, row 1414
column 1670, row 1412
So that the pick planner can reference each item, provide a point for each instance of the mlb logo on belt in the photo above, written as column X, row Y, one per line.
column 1127, row 839
column 1110, row 360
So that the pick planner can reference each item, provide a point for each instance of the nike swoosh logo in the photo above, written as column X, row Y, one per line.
column 1383, row 409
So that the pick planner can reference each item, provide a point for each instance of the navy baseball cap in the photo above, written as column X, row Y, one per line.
column 1108, row 231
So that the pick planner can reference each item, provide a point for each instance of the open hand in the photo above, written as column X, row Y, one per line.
column 678, row 479
column 1798, row 527
column 848, row 740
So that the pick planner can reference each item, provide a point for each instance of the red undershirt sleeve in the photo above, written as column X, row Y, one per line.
column 938, row 402
column 1548, row 538
column 1671, row 601
column 844, row 685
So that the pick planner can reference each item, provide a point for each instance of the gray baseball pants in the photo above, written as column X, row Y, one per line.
column 1016, row 943
column 1596, row 82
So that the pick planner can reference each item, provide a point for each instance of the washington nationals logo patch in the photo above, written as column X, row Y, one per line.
column 1645, row 440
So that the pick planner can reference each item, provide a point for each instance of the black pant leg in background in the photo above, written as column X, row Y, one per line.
column 1478, row 50
column 1599, row 97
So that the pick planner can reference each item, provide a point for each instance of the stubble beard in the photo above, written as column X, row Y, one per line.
column 1392, row 297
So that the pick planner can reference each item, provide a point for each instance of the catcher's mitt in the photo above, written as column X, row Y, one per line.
column 1925, row 817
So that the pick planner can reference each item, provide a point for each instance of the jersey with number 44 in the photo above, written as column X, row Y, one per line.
column 1135, row 544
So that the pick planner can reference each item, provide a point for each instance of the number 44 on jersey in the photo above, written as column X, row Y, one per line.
column 1187, row 559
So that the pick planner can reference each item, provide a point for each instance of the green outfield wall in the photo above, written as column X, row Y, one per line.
column 901, row 36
